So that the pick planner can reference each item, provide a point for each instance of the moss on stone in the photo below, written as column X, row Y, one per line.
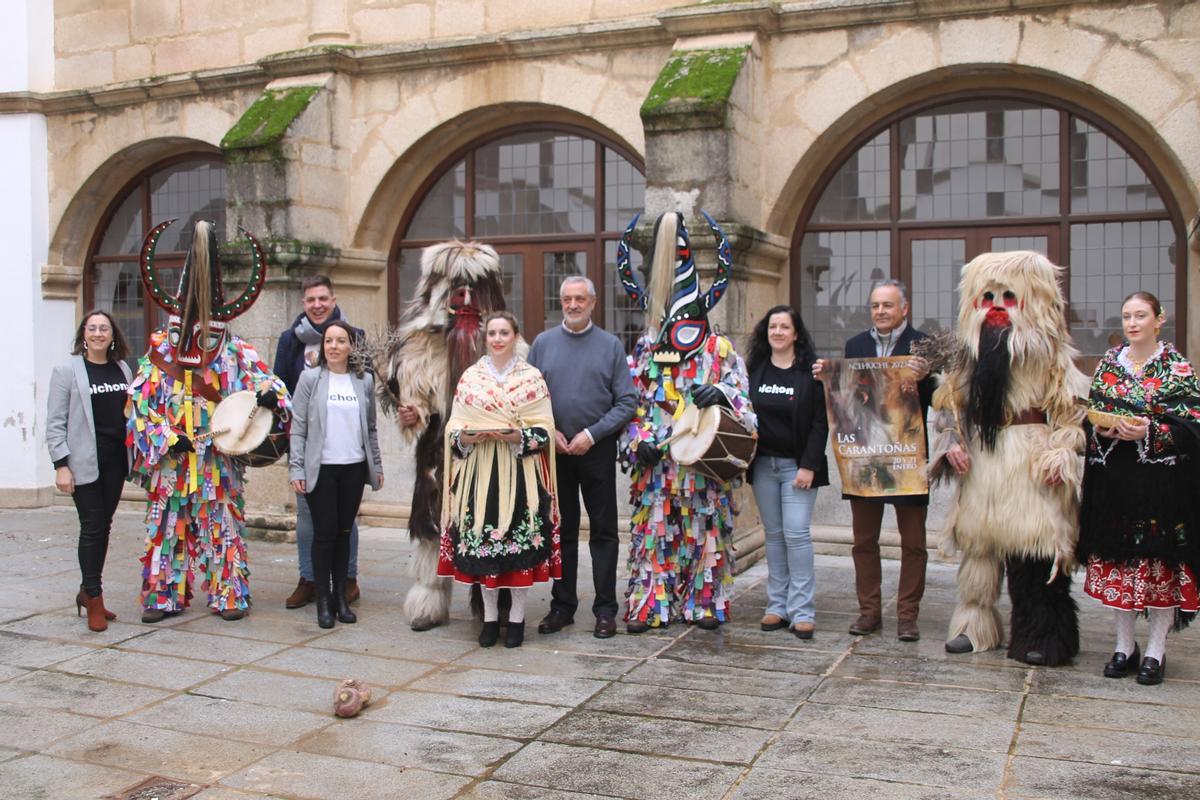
column 268, row 118
column 695, row 81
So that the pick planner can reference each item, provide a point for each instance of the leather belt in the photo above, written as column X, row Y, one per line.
column 1028, row 416
column 199, row 386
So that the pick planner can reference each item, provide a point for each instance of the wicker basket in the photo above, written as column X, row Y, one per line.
column 1106, row 419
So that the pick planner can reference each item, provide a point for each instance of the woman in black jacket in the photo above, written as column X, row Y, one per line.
column 790, row 463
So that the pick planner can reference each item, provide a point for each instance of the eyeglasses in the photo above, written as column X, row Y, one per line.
column 98, row 329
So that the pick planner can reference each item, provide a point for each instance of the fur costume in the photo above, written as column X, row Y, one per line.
column 194, row 513
column 1012, row 401
column 681, row 550
column 437, row 339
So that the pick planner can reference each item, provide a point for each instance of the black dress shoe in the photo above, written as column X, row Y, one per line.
column 1035, row 657
column 514, row 635
column 636, row 626
column 707, row 623
column 490, row 633
column 1152, row 671
column 960, row 644
column 1122, row 665
column 606, row 627
column 555, row 621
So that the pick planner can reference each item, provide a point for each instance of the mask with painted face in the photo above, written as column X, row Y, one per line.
column 676, row 309
column 198, row 315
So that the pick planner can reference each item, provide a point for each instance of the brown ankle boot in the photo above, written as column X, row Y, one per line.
column 81, row 602
column 305, row 593
column 95, row 613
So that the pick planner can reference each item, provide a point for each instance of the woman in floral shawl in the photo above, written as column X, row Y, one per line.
column 500, row 515
column 1140, row 527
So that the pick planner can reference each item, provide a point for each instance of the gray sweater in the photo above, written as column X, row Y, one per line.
column 589, row 381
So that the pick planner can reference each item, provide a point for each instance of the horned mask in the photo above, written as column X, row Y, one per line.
column 676, row 310
column 198, row 315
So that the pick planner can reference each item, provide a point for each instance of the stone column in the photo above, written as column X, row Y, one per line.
column 703, row 130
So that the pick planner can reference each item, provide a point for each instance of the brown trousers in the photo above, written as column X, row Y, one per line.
column 867, row 517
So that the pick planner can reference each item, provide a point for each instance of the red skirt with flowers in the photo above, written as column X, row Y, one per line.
column 1141, row 583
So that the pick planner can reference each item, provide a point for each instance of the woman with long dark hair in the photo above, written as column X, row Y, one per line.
column 789, row 464
column 85, row 433
column 334, row 454
column 1139, row 534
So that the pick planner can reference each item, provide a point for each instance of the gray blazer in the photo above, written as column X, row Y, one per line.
column 70, row 429
column 308, row 426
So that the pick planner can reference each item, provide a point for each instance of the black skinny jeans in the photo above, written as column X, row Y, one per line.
column 334, row 503
column 96, row 502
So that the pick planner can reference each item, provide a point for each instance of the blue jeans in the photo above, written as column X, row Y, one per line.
column 304, row 540
column 786, row 513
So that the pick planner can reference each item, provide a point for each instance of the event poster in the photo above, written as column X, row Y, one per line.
column 876, row 426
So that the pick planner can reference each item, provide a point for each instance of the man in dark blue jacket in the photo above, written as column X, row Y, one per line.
column 299, row 347
column 891, row 336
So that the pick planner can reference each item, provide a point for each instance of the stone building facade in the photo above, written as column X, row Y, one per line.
column 837, row 141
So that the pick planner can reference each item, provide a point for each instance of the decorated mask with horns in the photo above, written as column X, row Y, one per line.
column 198, row 314
column 676, row 310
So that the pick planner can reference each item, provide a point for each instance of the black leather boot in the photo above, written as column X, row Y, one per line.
column 344, row 614
column 324, row 607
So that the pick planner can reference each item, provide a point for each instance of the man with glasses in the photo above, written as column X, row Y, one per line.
column 592, row 396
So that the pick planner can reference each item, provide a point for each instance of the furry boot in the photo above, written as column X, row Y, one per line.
column 1045, row 621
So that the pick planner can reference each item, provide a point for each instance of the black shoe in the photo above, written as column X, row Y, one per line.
column 515, row 635
column 555, row 621
column 1121, row 665
column 708, row 623
column 152, row 615
column 606, row 627
column 232, row 614
column 324, row 609
column 960, row 644
column 1152, row 671
column 1035, row 657
column 342, row 605
column 489, row 634
column 636, row 626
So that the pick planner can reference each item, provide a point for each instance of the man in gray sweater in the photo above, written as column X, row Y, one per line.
column 592, row 396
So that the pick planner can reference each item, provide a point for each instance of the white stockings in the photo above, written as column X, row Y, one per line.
column 1125, row 640
column 491, row 604
column 1160, row 624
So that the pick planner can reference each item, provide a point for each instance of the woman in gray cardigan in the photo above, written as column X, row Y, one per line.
column 334, row 453
column 85, row 433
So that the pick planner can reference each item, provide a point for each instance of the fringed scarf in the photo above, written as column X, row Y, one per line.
column 483, row 403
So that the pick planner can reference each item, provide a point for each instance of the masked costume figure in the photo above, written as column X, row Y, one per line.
column 1010, row 404
column 437, row 339
column 681, row 554
column 194, row 516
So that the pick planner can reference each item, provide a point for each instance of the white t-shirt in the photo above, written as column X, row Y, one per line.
column 343, row 426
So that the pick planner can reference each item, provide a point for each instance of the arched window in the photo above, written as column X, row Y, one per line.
column 189, row 189
column 931, row 189
column 553, row 201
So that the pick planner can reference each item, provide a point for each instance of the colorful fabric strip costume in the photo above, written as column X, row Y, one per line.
column 194, row 516
column 680, row 553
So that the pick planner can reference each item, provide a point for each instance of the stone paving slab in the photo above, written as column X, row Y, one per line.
column 277, row 689
column 1071, row 780
column 918, row 697
column 758, row 683
column 163, row 672
column 83, row 695
column 1151, row 748
column 468, row 714
column 719, row 743
column 30, row 729
column 53, row 778
column 200, row 757
column 406, row 746
column 246, row 722
column 577, row 769
column 295, row 774
column 764, row 783
column 697, row 706
column 498, row 685
column 913, row 727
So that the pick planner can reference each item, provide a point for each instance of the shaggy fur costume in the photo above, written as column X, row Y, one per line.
column 438, row 337
column 1018, row 502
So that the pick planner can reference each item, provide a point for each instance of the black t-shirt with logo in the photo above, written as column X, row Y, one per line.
column 109, row 390
column 774, row 402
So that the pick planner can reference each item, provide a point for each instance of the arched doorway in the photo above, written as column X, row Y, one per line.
column 918, row 196
column 189, row 188
column 552, row 199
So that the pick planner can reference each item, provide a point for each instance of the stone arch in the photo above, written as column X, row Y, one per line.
column 1169, row 156
column 407, row 179
column 83, row 215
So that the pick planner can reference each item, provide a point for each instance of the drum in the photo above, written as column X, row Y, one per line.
column 242, row 429
column 712, row 442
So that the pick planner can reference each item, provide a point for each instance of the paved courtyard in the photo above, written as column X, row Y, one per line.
column 244, row 710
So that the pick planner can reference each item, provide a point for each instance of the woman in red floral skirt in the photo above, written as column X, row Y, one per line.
column 500, row 507
column 1140, row 521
